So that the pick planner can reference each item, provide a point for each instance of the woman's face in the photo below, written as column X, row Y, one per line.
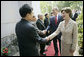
column 65, row 15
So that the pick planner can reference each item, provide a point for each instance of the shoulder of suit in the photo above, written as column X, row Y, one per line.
column 45, row 19
column 37, row 20
column 59, row 14
column 30, row 25
column 52, row 17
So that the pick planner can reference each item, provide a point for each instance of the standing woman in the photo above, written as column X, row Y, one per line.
column 69, row 30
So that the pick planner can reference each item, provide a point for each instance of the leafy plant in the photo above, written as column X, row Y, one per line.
column 80, row 32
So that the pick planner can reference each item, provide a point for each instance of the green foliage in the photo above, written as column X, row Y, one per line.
column 80, row 39
column 62, row 4
column 80, row 29
column 46, row 6
column 81, row 16
column 76, row 4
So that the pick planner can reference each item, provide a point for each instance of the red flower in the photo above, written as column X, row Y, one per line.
column 5, row 50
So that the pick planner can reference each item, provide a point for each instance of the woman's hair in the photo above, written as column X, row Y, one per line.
column 25, row 9
column 67, row 10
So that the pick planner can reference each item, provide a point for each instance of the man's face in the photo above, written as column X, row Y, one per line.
column 41, row 17
column 30, row 16
column 54, row 11
column 34, row 18
column 47, row 16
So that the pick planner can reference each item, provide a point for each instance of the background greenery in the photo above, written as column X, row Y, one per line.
column 80, row 29
column 46, row 6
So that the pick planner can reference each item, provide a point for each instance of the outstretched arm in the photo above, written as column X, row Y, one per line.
column 36, row 37
column 54, row 33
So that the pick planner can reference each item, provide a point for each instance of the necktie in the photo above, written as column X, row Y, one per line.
column 56, row 19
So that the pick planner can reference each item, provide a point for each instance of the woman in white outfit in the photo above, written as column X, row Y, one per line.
column 68, row 27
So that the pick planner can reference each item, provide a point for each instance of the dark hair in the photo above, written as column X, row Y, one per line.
column 25, row 9
column 38, row 15
column 33, row 16
column 67, row 10
column 46, row 14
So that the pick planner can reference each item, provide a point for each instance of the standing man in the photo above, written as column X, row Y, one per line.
column 40, row 26
column 26, row 33
column 54, row 22
column 75, row 15
column 46, row 20
column 52, row 14
column 46, row 23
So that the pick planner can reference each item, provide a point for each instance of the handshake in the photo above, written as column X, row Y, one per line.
column 45, row 31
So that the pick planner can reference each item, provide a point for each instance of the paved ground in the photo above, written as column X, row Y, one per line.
column 75, row 53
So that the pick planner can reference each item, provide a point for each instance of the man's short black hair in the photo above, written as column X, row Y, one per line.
column 25, row 9
column 46, row 14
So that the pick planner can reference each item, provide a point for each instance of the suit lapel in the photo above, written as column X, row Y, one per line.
column 54, row 20
column 41, row 23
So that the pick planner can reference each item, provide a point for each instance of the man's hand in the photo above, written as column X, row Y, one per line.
column 44, row 31
column 48, row 32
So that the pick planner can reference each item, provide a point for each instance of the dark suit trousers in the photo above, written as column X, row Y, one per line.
column 42, row 48
column 55, row 44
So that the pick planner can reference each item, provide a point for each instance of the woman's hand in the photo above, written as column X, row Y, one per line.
column 47, row 38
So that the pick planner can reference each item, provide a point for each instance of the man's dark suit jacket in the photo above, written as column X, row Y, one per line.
column 27, row 37
column 46, row 22
column 53, row 26
column 75, row 16
column 40, row 26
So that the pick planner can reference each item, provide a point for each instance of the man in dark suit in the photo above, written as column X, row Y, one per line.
column 26, row 33
column 54, row 22
column 46, row 20
column 40, row 26
column 46, row 23
column 75, row 15
column 40, row 32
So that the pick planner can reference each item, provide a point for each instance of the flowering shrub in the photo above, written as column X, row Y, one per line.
column 5, row 52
